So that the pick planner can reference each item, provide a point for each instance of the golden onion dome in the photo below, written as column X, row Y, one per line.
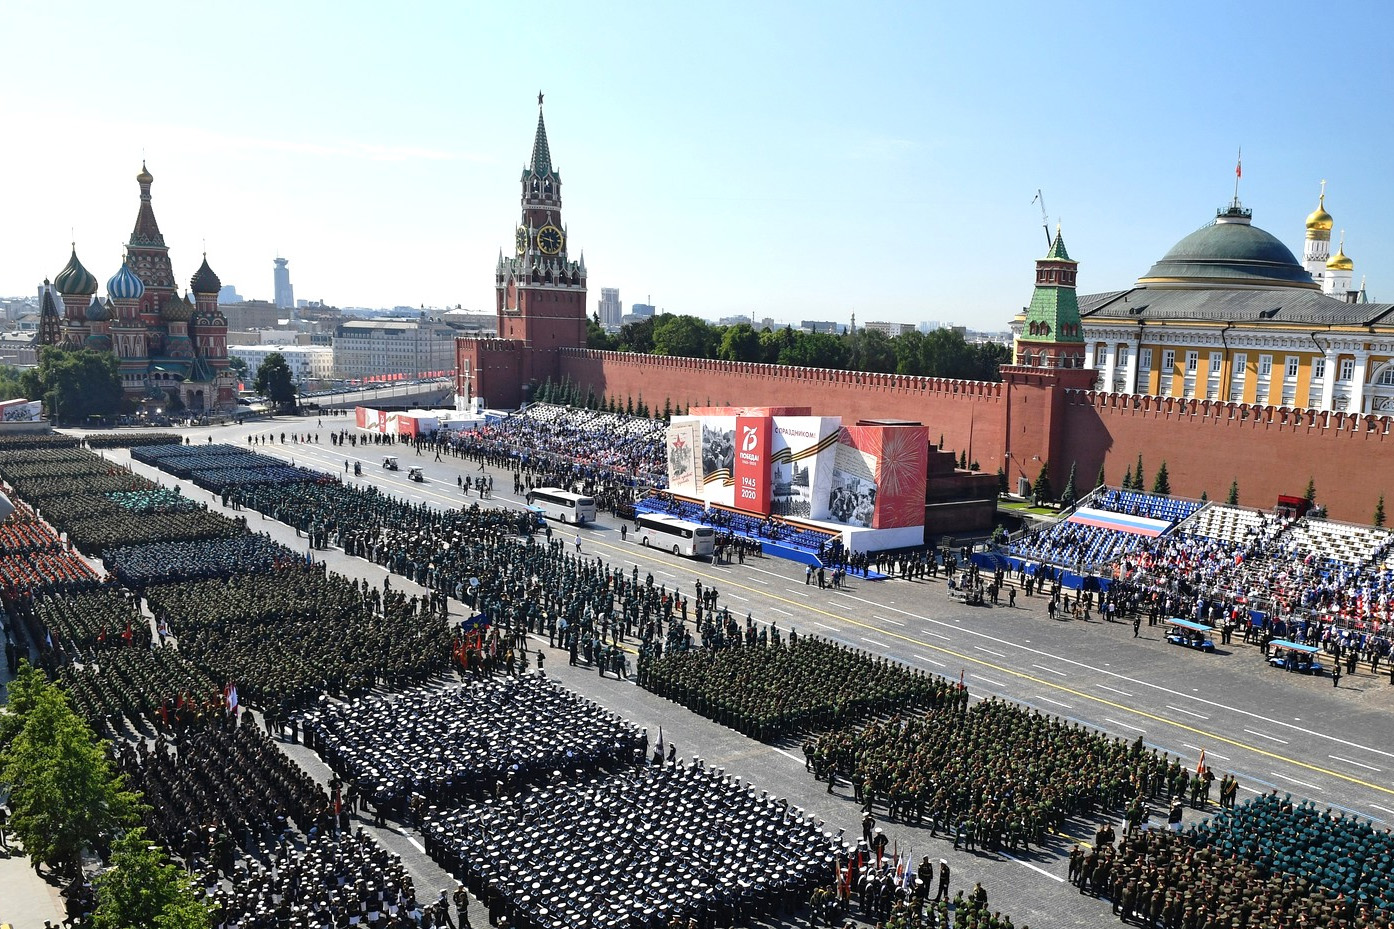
column 1339, row 262
column 1319, row 220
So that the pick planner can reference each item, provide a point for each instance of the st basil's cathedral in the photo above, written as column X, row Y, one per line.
column 171, row 350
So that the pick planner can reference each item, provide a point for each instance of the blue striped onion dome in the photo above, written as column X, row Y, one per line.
column 124, row 285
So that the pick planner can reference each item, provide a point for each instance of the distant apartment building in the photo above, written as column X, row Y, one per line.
column 821, row 325
column 251, row 314
column 376, row 347
column 610, row 309
column 641, row 310
column 306, row 362
column 890, row 329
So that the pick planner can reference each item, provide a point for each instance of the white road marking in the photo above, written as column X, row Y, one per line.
column 738, row 597
column 794, row 591
column 1295, row 781
column 1116, row 690
column 775, row 609
column 1051, row 670
column 1056, row 702
column 874, row 642
column 1382, row 808
column 894, row 622
column 937, row 664
column 1187, row 712
column 1208, row 754
column 1266, row 736
column 824, row 625
column 1109, row 719
column 938, row 636
column 1358, row 764
column 1249, row 789
column 988, row 680
column 989, row 651
column 1027, row 864
column 1132, row 680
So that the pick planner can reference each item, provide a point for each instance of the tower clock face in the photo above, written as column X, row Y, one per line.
column 522, row 238
column 549, row 240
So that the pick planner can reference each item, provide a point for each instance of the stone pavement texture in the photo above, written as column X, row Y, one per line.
column 1273, row 730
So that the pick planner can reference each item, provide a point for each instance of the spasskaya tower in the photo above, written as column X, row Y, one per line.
column 541, row 291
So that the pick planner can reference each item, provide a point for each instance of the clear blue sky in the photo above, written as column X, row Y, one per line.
column 795, row 160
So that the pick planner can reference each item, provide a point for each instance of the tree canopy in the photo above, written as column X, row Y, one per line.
column 63, row 795
column 274, row 381
column 940, row 353
column 143, row 889
column 74, row 383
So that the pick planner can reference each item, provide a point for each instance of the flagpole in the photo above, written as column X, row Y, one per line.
column 1238, row 173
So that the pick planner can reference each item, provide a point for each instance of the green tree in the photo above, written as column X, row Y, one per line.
column 1100, row 480
column 143, row 889
column 238, row 366
column 740, row 343
column 1001, row 480
column 684, row 337
column 667, row 409
column 963, row 460
column 64, row 796
column 637, row 336
column 629, row 406
column 1311, row 494
column 24, row 691
column 1161, row 484
column 74, row 383
column 871, row 350
column 274, row 381
column 1204, row 497
column 1137, row 474
column 596, row 336
column 1070, row 493
column 1379, row 513
column 11, row 383
column 1042, row 490
column 814, row 350
column 643, row 408
column 1128, row 478
column 1233, row 498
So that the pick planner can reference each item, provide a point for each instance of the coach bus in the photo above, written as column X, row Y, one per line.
column 677, row 535
column 555, row 503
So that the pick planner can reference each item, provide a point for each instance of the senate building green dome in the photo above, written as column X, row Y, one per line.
column 1229, row 253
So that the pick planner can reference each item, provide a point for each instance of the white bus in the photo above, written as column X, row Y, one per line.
column 677, row 535
column 555, row 503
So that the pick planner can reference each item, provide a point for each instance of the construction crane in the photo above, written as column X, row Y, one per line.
column 1045, row 219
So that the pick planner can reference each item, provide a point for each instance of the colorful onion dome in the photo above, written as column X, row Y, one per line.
column 124, row 285
column 204, row 280
column 74, row 279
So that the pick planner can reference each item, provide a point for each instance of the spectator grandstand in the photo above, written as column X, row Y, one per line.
column 589, row 443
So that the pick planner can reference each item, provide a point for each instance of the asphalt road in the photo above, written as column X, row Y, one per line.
column 1274, row 730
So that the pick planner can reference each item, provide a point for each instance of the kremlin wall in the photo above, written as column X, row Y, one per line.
column 1213, row 311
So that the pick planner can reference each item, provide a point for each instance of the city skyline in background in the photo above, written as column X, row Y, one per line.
column 808, row 166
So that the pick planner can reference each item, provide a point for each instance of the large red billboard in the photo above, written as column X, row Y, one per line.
column 752, row 465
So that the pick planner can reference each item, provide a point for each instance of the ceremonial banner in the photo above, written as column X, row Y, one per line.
column 752, row 464
column 684, row 451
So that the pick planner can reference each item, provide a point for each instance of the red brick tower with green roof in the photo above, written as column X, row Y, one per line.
column 1051, row 336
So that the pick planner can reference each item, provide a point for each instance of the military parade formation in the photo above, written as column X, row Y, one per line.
column 550, row 810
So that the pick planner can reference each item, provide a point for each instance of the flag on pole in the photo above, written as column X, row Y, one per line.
column 1239, row 164
column 1200, row 765
column 230, row 695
